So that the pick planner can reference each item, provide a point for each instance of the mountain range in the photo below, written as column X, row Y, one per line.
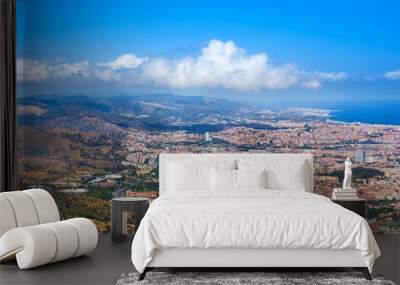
column 151, row 112
column 154, row 112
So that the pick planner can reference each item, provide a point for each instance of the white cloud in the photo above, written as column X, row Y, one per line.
column 218, row 65
column 124, row 61
column 314, row 79
column 312, row 84
column 31, row 70
column 331, row 76
column 107, row 75
column 393, row 75
column 70, row 69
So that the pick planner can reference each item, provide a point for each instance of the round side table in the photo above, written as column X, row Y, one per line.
column 119, row 215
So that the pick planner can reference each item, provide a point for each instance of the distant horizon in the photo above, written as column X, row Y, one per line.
column 312, row 101
column 347, row 111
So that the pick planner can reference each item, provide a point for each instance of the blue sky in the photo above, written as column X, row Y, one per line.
column 284, row 50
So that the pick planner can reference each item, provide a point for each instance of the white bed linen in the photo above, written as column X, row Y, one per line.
column 253, row 218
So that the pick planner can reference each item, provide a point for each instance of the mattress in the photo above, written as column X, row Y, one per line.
column 250, row 219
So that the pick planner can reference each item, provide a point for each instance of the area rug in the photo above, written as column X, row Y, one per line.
column 268, row 278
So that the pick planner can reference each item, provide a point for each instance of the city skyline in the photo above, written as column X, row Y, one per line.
column 87, row 150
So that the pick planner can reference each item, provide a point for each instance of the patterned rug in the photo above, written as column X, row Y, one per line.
column 240, row 278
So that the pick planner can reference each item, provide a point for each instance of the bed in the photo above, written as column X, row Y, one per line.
column 247, row 210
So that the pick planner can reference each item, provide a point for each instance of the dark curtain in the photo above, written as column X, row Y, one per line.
column 8, row 104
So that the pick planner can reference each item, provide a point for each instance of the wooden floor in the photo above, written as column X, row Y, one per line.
column 110, row 260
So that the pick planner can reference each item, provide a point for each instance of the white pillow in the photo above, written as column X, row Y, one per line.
column 188, row 177
column 251, row 178
column 282, row 174
column 223, row 179
column 287, row 176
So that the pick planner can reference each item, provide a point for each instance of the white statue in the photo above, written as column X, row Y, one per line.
column 347, row 174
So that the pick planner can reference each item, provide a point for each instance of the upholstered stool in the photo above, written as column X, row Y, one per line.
column 31, row 230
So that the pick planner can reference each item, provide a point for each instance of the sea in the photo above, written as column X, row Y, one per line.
column 369, row 112
column 387, row 112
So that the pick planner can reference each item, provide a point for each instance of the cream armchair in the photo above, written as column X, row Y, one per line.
column 31, row 230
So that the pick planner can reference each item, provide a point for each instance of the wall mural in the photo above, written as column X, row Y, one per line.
column 102, row 92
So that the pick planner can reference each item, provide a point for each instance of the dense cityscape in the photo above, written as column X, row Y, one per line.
column 90, row 157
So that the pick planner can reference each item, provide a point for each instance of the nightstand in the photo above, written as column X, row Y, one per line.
column 357, row 205
column 119, row 209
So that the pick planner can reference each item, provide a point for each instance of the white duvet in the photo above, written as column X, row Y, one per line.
column 250, row 219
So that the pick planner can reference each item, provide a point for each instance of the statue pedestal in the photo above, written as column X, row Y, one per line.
column 344, row 194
